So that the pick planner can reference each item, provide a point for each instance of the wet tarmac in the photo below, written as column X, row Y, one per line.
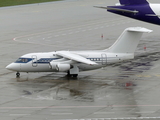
column 122, row 91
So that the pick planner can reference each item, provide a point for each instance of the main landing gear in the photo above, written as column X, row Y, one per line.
column 73, row 72
column 17, row 74
column 71, row 75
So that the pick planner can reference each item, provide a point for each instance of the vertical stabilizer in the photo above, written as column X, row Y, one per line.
column 128, row 40
column 133, row 2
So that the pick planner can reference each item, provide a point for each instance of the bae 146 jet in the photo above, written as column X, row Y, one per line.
column 73, row 62
column 137, row 9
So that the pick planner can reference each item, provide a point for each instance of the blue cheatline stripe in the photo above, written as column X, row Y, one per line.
column 48, row 60
column 45, row 60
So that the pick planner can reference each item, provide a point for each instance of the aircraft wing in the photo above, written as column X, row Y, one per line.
column 75, row 57
column 118, row 9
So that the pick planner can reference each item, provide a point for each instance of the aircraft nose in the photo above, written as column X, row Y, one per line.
column 13, row 67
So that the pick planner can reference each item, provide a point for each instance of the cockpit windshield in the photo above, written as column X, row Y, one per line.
column 23, row 60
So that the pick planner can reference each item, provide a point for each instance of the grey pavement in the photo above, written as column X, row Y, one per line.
column 127, row 90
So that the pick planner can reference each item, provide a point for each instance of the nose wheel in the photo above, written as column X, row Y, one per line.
column 17, row 74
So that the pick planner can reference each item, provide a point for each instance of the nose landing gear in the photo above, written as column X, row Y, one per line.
column 17, row 74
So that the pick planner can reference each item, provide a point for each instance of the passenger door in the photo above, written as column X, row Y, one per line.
column 104, row 59
column 34, row 61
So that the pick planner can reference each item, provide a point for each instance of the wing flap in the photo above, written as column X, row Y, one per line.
column 75, row 57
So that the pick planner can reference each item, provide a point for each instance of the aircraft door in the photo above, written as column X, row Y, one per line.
column 34, row 61
column 104, row 59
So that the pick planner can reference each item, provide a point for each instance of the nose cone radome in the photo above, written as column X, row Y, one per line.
column 13, row 67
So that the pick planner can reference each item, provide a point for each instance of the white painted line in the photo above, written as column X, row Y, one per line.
column 56, row 35
column 104, row 112
column 19, row 114
column 127, row 118
column 146, row 112
column 62, row 113
column 134, row 118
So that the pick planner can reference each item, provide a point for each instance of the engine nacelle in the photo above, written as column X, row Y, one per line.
column 63, row 67
column 60, row 67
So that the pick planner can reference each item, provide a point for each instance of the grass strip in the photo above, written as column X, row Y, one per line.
column 4, row 3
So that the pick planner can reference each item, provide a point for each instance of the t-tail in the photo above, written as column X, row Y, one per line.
column 137, row 9
column 128, row 40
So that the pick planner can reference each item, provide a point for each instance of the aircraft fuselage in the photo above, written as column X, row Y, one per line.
column 44, row 62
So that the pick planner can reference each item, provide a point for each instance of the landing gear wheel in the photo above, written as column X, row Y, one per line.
column 17, row 74
column 75, row 75
column 71, row 75
column 68, row 74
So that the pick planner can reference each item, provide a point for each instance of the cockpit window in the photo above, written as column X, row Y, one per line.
column 23, row 60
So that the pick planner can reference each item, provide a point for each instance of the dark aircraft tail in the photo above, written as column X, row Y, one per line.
column 133, row 2
column 137, row 9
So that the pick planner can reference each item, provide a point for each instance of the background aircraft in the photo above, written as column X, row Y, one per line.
column 72, row 62
column 137, row 9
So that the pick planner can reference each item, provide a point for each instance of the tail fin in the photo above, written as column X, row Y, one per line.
column 132, row 2
column 128, row 40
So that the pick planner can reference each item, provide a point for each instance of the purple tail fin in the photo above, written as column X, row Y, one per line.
column 133, row 2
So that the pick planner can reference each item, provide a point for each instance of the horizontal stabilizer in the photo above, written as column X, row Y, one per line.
column 75, row 57
column 139, row 29
column 118, row 9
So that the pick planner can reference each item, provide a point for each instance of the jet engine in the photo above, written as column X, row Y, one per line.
column 63, row 67
column 60, row 67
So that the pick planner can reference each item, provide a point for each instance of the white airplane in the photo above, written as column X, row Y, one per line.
column 73, row 62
